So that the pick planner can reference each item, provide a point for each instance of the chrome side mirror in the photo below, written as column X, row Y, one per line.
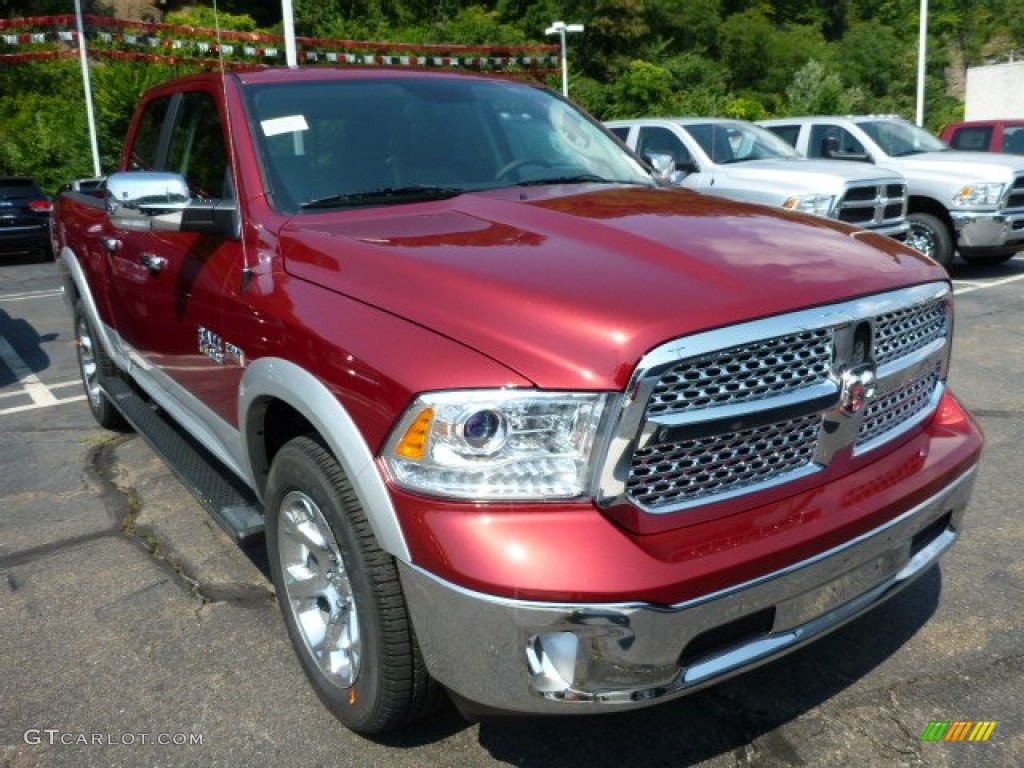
column 159, row 201
column 664, row 165
column 147, row 200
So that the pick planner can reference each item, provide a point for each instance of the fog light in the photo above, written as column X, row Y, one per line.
column 552, row 660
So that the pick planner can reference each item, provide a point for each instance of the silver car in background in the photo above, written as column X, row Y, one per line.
column 742, row 161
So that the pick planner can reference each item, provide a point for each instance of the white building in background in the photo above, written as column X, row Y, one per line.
column 995, row 91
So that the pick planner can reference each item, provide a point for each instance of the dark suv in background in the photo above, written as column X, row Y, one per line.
column 24, row 218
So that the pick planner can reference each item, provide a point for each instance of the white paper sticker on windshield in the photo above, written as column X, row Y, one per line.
column 289, row 124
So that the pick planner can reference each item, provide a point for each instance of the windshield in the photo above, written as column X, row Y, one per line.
column 340, row 143
column 738, row 142
column 898, row 138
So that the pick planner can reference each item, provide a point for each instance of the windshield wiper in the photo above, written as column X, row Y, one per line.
column 908, row 152
column 581, row 178
column 385, row 195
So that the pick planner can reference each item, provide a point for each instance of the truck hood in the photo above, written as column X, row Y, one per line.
column 823, row 176
column 570, row 285
column 969, row 166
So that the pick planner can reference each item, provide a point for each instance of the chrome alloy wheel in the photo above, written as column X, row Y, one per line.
column 317, row 589
column 922, row 238
column 88, row 364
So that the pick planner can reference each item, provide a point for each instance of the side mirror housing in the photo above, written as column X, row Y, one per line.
column 667, row 169
column 664, row 165
column 159, row 201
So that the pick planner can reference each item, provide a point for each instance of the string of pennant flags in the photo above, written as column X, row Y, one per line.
column 34, row 38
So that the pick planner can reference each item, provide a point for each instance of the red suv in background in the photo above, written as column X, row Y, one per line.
column 986, row 136
column 24, row 217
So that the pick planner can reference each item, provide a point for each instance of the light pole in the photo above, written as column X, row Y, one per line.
column 922, row 55
column 291, row 57
column 90, row 114
column 560, row 28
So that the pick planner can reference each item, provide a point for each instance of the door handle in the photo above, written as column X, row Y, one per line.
column 112, row 244
column 152, row 262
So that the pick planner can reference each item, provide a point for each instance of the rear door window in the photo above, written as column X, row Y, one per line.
column 1013, row 139
column 976, row 138
column 788, row 133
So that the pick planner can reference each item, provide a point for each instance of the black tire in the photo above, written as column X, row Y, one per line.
column 987, row 257
column 930, row 235
column 93, row 364
column 339, row 592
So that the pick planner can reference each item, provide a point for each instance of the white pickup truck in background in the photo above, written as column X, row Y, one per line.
column 971, row 202
column 742, row 161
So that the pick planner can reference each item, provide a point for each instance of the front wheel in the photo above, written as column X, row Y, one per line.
column 340, row 595
column 930, row 235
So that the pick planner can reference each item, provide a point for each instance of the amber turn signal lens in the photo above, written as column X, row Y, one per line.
column 413, row 444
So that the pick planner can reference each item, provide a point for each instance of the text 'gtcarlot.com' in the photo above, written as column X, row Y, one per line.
column 54, row 736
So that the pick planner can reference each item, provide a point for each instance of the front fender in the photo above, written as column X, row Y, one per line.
column 272, row 378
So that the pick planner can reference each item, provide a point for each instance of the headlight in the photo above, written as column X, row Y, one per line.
column 496, row 444
column 819, row 205
column 983, row 193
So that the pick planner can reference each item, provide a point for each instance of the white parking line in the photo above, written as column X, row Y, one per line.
column 30, row 295
column 34, row 406
column 41, row 395
column 972, row 286
column 39, row 392
column 53, row 387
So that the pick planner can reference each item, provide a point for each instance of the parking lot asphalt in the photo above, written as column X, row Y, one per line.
column 134, row 632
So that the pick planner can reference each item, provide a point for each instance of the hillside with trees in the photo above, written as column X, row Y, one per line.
column 742, row 58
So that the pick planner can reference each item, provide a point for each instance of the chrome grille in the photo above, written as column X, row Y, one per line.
column 895, row 409
column 688, row 470
column 900, row 333
column 740, row 374
column 1016, row 197
column 873, row 205
column 740, row 409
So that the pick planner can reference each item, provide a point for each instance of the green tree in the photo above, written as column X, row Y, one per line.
column 117, row 87
column 817, row 91
column 644, row 89
column 205, row 18
column 44, row 132
column 874, row 58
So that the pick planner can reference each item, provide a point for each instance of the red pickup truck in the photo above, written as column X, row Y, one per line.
column 519, row 423
column 986, row 136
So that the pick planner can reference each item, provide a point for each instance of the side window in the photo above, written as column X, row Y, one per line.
column 622, row 132
column 147, row 137
column 655, row 140
column 1013, row 140
column 975, row 138
column 788, row 133
column 832, row 141
column 197, row 149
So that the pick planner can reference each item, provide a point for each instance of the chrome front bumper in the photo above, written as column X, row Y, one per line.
column 988, row 230
column 542, row 658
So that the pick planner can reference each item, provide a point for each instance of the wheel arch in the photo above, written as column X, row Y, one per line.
column 280, row 400
column 919, row 204
column 76, row 288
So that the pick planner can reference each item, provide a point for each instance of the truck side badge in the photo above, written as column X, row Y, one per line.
column 211, row 345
